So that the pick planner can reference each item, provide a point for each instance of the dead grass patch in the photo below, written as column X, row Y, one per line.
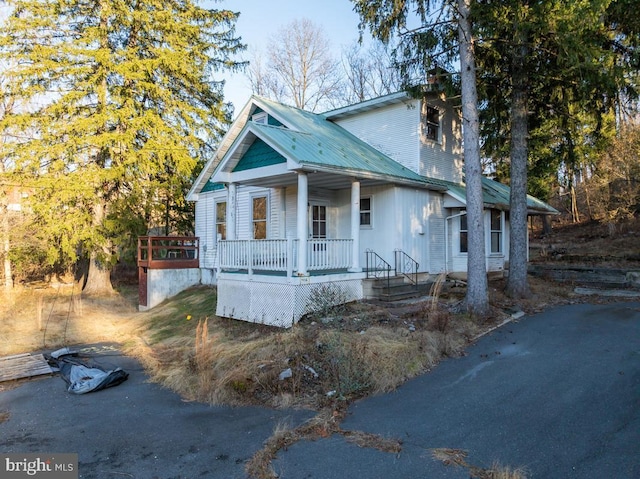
column 4, row 416
column 324, row 424
column 458, row 458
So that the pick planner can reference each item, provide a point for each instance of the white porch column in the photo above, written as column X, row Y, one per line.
column 355, row 227
column 231, row 211
column 302, row 222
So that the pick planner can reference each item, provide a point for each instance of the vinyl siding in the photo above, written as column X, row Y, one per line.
column 437, row 243
column 442, row 159
column 394, row 130
column 206, row 226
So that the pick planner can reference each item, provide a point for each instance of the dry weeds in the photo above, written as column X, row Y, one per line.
column 458, row 458
column 324, row 424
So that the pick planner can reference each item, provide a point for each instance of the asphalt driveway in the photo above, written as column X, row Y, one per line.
column 557, row 393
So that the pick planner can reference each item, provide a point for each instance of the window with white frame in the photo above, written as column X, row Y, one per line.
column 464, row 234
column 432, row 123
column 318, row 221
column 221, row 220
column 365, row 211
column 259, row 217
column 496, row 231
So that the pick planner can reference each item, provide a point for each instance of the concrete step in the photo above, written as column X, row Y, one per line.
column 399, row 289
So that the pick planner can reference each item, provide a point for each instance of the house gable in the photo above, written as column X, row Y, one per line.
column 258, row 155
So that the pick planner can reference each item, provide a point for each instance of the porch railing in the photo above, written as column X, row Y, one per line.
column 323, row 254
column 377, row 267
column 282, row 255
column 406, row 266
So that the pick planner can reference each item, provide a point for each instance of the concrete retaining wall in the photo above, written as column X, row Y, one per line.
column 165, row 283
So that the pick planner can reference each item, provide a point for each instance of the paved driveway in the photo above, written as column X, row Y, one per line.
column 558, row 393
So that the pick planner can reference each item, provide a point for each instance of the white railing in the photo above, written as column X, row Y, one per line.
column 323, row 254
column 282, row 255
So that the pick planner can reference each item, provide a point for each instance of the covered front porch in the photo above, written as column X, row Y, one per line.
column 277, row 280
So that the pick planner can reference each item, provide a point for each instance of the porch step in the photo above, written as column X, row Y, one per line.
column 397, row 289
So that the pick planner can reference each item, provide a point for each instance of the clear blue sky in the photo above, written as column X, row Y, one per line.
column 261, row 19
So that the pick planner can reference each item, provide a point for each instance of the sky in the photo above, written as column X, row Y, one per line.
column 261, row 19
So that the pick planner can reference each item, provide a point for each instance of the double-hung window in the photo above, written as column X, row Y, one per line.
column 221, row 220
column 464, row 234
column 259, row 217
column 433, row 123
column 365, row 212
column 496, row 231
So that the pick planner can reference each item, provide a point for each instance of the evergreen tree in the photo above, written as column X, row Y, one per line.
column 442, row 26
column 122, row 100
column 558, row 69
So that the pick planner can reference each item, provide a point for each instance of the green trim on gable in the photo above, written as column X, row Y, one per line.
column 212, row 187
column 258, row 155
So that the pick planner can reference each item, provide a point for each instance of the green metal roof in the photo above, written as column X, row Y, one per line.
column 498, row 195
column 315, row 142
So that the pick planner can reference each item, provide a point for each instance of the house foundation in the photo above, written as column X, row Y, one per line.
column 282, row 301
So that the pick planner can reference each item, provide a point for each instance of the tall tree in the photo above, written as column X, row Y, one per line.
column 557, row 68
column 122, row 98
column 440, row 25
column 300, row 69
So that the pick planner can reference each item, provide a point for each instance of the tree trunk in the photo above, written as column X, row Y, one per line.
column 575, row 214
column 99, row 274
column 6, row 248
column 517, row 284
column 477, row 299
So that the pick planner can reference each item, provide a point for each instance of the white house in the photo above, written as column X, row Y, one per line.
column 294, row 201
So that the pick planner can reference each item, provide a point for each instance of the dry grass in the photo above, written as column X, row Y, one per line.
column 324, row 424
column 4, row 416
column 458, row 458
column 48, row 318
column 368, row 349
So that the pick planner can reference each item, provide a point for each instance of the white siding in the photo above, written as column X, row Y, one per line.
column 381, row 236
column 292, row 208
column 442, row 159
column 206, row 226
column 394, row 130
column 437, row 241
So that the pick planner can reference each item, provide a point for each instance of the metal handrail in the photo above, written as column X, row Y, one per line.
column 377, row 267
column 406, row 266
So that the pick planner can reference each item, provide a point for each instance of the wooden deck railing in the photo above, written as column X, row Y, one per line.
column 168, row 252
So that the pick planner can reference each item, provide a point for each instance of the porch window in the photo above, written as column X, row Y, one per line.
column 433, row 123
column 464, row 234
column 221, row 220
column 496, row 231
column 365, row 211
column 318, row 221
column 259, row 217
